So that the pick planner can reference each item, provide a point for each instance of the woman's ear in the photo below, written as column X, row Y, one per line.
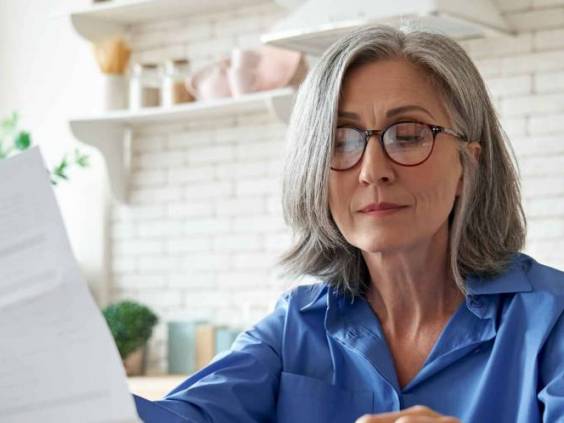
column 474, row 149
column 459, row 186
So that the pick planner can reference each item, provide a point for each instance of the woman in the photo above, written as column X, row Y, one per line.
column 405, row 202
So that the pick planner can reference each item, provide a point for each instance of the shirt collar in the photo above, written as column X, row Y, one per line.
column 513, row 279
column 313, row 298
column 483, row 298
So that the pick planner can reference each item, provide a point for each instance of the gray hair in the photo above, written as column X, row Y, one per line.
column 487, row 223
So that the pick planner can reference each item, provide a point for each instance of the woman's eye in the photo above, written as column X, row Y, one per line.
column 342, row 145
column 408, row 138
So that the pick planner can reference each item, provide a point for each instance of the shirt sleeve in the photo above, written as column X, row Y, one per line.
column 240, row 385
column 551, row 374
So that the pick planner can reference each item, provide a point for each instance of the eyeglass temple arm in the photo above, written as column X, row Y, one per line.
column 450, row 132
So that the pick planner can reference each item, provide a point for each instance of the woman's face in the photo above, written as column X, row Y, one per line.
column 427, row 191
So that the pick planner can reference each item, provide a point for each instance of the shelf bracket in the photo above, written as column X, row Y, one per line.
column 281, row 107
column 114, row 142
column 95, row 29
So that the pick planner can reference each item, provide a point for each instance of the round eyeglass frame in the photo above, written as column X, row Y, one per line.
column 435, row 130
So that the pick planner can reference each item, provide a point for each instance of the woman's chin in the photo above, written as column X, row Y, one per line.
column 382, row 245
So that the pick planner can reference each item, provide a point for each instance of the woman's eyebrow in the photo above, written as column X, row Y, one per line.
column 398, row 110
column 390, row 113
column 348, row 114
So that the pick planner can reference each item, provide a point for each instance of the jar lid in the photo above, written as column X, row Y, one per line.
column 177, row 66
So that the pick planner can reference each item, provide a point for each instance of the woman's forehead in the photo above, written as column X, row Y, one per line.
column 390, row 113
column 388, row 88
column 386, row 77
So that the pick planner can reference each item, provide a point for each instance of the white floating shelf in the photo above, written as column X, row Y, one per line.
column 112, row 17
column 111, row 132
column 316, row 24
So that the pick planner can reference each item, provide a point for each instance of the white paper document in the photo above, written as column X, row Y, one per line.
column 58, row 361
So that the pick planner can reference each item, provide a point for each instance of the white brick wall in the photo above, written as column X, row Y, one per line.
column 203, row 228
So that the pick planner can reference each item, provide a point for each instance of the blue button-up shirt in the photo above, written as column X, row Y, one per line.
column 320, row 358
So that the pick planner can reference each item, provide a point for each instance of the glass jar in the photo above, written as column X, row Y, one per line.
column 173, row 90
column 144, row 87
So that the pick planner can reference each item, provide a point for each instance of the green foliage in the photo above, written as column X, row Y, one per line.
column 131, row 325
column 22, row 141
column 60, row 171
column 13, row 140
column 9, row 131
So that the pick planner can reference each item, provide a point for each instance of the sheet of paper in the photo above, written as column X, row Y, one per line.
column 58, row 362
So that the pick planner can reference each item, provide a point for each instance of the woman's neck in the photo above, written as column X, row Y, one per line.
column 413, row 288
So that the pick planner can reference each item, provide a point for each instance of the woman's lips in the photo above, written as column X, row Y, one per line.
column 382, row 209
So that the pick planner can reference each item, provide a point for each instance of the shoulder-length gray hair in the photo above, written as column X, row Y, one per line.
column 487, row 223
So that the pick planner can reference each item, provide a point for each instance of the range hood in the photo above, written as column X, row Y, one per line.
column 316, row 24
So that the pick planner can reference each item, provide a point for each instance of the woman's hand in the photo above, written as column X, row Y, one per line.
column 415, row 414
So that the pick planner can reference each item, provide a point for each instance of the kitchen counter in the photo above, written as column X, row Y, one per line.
column 154, row 387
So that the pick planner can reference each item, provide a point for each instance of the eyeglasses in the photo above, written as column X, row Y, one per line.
column 407, row 143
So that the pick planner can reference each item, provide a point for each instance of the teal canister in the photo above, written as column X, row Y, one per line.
column 182, row 346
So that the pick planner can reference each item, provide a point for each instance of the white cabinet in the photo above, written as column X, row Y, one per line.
column 314, row 25
column 113, row 17
column 112, row 132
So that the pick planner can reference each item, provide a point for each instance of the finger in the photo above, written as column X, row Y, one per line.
column 378, row 418
column 416, row 410
column 421, row 410
column 424, row 411
column 416, row 419
column 420, row 413
column 426, row 419
column 391, row 417
column 371, row 418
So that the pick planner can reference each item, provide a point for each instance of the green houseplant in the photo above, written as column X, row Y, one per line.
column 14, row 140
column 131, row 325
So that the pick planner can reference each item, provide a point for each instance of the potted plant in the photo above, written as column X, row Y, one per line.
column 131, row 325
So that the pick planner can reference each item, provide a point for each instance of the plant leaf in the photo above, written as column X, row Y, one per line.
column 10, row 123
column 81, row 159
column 59, row 171
column 23, row 140
column 60, row 168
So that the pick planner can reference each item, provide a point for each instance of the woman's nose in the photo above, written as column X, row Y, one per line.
column 375, row 166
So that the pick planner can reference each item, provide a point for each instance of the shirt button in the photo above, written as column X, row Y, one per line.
column 476, row 302
column 351, row 333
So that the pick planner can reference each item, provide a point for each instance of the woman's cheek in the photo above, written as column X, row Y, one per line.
column 435, row 203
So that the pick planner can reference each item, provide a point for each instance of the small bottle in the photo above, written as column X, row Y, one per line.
column 173, row 89
column 144, row 88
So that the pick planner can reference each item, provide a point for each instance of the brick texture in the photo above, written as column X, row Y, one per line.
column 204, row 227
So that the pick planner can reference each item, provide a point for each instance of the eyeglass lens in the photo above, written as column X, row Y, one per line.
column 406, row 143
